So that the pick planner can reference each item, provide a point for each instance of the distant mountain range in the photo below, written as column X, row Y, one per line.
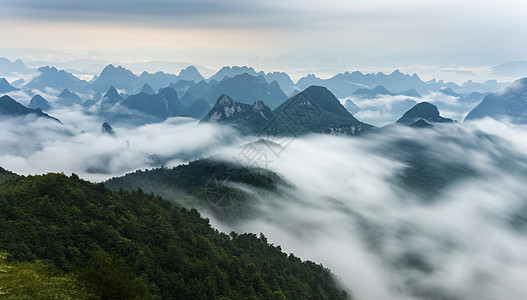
column 511, row 69
column 510, row 103
column 382, row 91
column 142, row 94
column 8, row 67
column 50, row 77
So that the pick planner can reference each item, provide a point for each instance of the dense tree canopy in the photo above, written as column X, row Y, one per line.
column 135, row 245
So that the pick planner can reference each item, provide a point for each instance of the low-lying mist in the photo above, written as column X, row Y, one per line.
column 400, row 214
column 32, row 145
column 406, row 214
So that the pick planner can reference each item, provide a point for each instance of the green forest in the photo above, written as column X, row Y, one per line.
column 204, row 184
column 65, row 238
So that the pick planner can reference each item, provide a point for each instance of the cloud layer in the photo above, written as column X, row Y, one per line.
column 353, row 210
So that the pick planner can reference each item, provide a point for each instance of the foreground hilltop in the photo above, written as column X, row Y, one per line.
column 122, row 245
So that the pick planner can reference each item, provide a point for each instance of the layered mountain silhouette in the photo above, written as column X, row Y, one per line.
column 39, row 102
column 372, row 93
column 50, row 77
column 510, row 102
column 314, row 110
column 382, row 91
column 12, row 108
column 423, row 111
column 511, row 69
column 157, row 80
column 8, row 67
column 228, row 71
column 190, row 73
column 147, row 89
column 162, row 105
column 109, row 100
column 247, row 89
column 68, row 98
column 5, row 87
column 283, row 79
column 117, row 77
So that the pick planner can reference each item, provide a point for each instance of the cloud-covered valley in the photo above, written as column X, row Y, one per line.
column 401, row 214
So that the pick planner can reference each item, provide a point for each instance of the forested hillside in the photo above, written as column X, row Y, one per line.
column 89, row 242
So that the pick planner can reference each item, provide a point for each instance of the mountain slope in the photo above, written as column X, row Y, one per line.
column 244, row 117
column 316, row 110
column 510, row 102
column 125, row 245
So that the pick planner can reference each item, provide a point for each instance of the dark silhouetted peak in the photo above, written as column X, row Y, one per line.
column 147, row 89
column 107, row 129
column 112, row 94
column 10, row 107
column 39, row 102
column 425, row 111
column 5, row 87
column 169, row 93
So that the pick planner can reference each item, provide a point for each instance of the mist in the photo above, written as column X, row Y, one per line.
column 353, row 208
column 400, row 214
column 32, row 145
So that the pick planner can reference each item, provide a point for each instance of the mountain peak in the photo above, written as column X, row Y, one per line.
column 39, row 102
column 147, row 89
column 112, row 93
column 107, row 129
column 11, row 107
column 5, row 86
column 65, row 93
column 425, row 111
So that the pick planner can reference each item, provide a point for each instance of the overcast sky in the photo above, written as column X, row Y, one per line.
column 271, row 34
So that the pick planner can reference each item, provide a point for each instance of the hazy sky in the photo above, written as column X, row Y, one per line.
column 332, row 35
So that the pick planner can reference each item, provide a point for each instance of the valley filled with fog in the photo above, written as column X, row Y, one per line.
column 400, row 214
